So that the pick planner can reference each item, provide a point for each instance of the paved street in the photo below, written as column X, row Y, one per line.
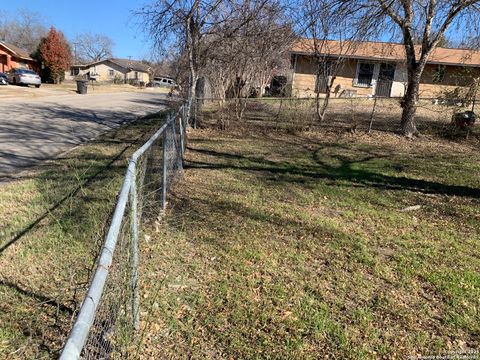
column 38, row 129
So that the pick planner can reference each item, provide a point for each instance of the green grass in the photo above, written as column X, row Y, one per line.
column 52, row 223
column 296, row 247
column 275, row 245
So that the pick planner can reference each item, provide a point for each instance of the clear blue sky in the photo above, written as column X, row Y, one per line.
column 110, row 17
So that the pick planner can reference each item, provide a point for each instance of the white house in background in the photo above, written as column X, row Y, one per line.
column 112, row 70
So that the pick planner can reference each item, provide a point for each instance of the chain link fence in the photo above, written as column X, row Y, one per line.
column 109, row 314
column 342, row 114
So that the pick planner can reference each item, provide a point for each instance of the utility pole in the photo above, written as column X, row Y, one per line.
column 75, row 60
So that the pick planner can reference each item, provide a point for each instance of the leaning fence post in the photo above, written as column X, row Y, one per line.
column 134, row 250
column 195, row 113
column 164, row 172
column 184, row 115
column 182, row 149
column 174, row 131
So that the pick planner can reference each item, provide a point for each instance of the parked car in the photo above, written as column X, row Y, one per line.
column 163, row 82
column 24, row 77
column 3, row 79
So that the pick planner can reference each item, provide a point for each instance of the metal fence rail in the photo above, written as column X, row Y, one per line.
column 110, row 312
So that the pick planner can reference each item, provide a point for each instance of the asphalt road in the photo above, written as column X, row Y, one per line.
column 33, row 130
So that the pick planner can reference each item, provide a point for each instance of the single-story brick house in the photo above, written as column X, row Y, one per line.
column 112, row 69
column 12, row 57
column 379, row 69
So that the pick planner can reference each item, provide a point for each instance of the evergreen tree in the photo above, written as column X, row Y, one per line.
column 55, row 55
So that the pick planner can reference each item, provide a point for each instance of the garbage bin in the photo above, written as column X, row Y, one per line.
column 82, row 86
column 464, row 119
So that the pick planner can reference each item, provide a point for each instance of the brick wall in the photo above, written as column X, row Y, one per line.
column 304, row 79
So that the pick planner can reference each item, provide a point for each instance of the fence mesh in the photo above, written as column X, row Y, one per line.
column 354, row 114
column 111, row 335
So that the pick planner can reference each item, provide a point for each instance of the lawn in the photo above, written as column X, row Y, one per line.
column 315, row 245
column 52, row 223
column 276, row 244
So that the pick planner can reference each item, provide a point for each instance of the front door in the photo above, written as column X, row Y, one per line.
column 385, row 80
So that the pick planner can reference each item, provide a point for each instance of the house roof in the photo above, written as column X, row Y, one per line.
column 130, row 65
column 79, row 66
column 386, row 51
column 134, row 65
column 15, row 50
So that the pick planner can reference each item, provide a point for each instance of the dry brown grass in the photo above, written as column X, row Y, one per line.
column 52, row 224
column 295, row 246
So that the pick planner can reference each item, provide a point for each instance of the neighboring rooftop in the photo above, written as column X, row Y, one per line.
column 385, row 51
column 134, row 65
column 19, row 52
column 130, row 65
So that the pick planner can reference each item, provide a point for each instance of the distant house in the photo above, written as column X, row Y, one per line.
column 379, row 69
column 112, row 70
column 12, row 57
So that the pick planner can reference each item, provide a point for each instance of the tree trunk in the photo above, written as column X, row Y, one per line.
column 191, row 49
column 409, row 104
column 317, row 106
column 192, row 99
column 323, row 110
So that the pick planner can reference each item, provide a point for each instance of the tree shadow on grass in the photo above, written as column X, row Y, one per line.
column 40, row 298
column 54, row 172
column 60, row 202
column 342, row 171
column 58, row 248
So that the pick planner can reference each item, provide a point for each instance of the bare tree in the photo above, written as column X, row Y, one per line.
column 423, row 21
column 4, row 29
column 470, row 42
column 200, row 28
column 165, row 64
column 90, row 47
column 25, row 30
column 185, row 23
column 321, row 21
column 268, row 41
column 245, row 59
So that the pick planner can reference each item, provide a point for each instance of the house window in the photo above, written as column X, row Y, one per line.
column 74, row 71
column 364, row 74
column 439, row 74
column 136, row 75
column 111, row 73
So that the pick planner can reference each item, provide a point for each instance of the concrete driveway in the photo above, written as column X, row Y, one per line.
column 34, row 130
